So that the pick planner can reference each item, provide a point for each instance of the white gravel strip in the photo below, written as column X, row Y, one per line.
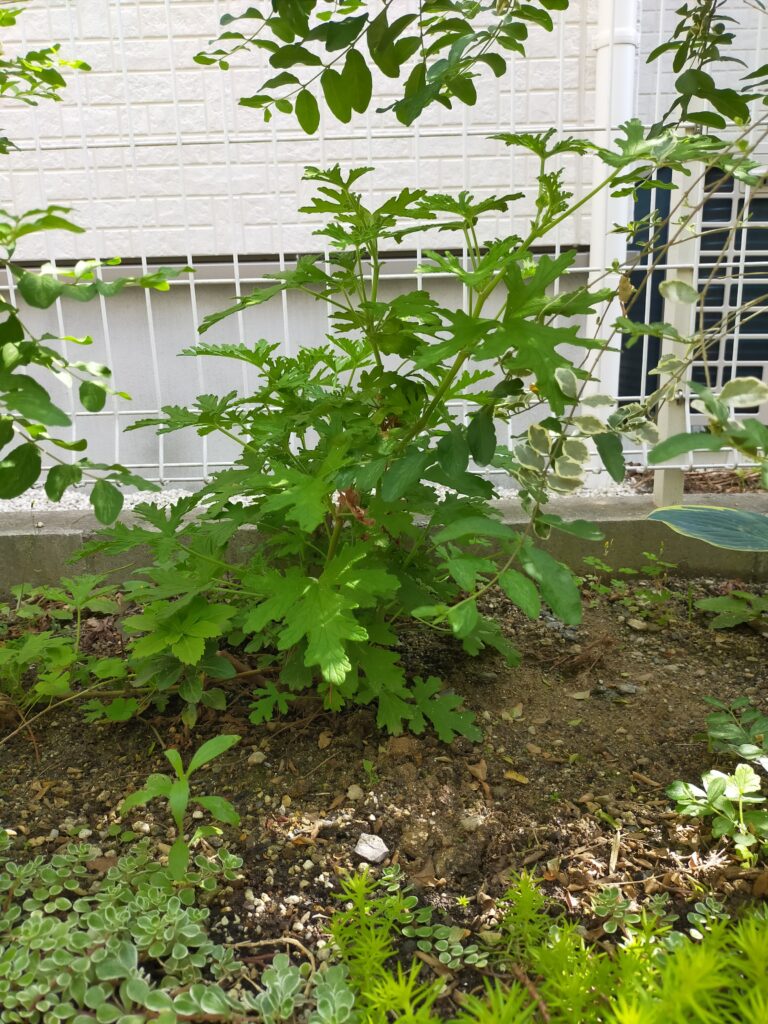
column 76, row 498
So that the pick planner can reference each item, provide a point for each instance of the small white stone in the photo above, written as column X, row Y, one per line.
column 355, row 793
column 141, row 826
column 197, row 815
column 257, row 757
column 371, row 848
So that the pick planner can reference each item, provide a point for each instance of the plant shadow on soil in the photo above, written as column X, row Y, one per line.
column 579, row 744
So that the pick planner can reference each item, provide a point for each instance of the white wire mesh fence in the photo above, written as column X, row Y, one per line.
column 163, row 165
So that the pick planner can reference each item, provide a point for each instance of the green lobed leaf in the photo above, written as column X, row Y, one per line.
column 404, row 473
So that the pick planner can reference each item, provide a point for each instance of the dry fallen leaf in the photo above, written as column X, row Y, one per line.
column 479, row 770
column 580, row 695
column 101, row 864
column 324, row 739
column 760, row 887
column 513, row 714
column 522, row 780
column 426, row 875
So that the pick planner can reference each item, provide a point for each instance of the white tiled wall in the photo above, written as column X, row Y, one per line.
column 158, row 158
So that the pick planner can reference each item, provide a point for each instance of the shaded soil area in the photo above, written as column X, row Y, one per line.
column 579, row 743
column 704, row 481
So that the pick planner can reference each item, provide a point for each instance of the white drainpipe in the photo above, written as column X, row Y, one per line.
column 617, row 42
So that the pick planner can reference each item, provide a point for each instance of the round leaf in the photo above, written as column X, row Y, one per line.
column 19, row 470
column 307, row 112
column 92, row 396
column 107, row 501
column 729, row 528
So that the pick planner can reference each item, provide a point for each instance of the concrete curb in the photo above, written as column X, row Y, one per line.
column 37, row 547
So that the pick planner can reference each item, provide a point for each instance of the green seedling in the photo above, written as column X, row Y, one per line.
column 177, row 793
column 727, row 799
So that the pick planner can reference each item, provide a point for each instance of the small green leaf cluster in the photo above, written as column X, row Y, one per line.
column 315, row 51
column 733, row 804
column 701, row 38
column 739, row 729
column 178, row 795
column 615, row 909
column 444, row 942
column 39, row 664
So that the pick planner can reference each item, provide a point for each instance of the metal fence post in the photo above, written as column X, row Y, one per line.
column 683, row 262
column 617, row 44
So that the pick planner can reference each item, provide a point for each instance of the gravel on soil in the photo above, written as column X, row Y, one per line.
column 579, row 744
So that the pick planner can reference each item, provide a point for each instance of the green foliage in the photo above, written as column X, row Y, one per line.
column 733, row 802
column 445, row 46
column 178, row 795
column 615, row 909
column 740, row 730
column 701, row 38
column 39, row 664
column 348, row 450
column 727, row 799
column 545, row 971
column 132, row 947
column 734, row 608
column 733, row 529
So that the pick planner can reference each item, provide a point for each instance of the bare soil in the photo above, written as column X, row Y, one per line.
column 579, row 744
